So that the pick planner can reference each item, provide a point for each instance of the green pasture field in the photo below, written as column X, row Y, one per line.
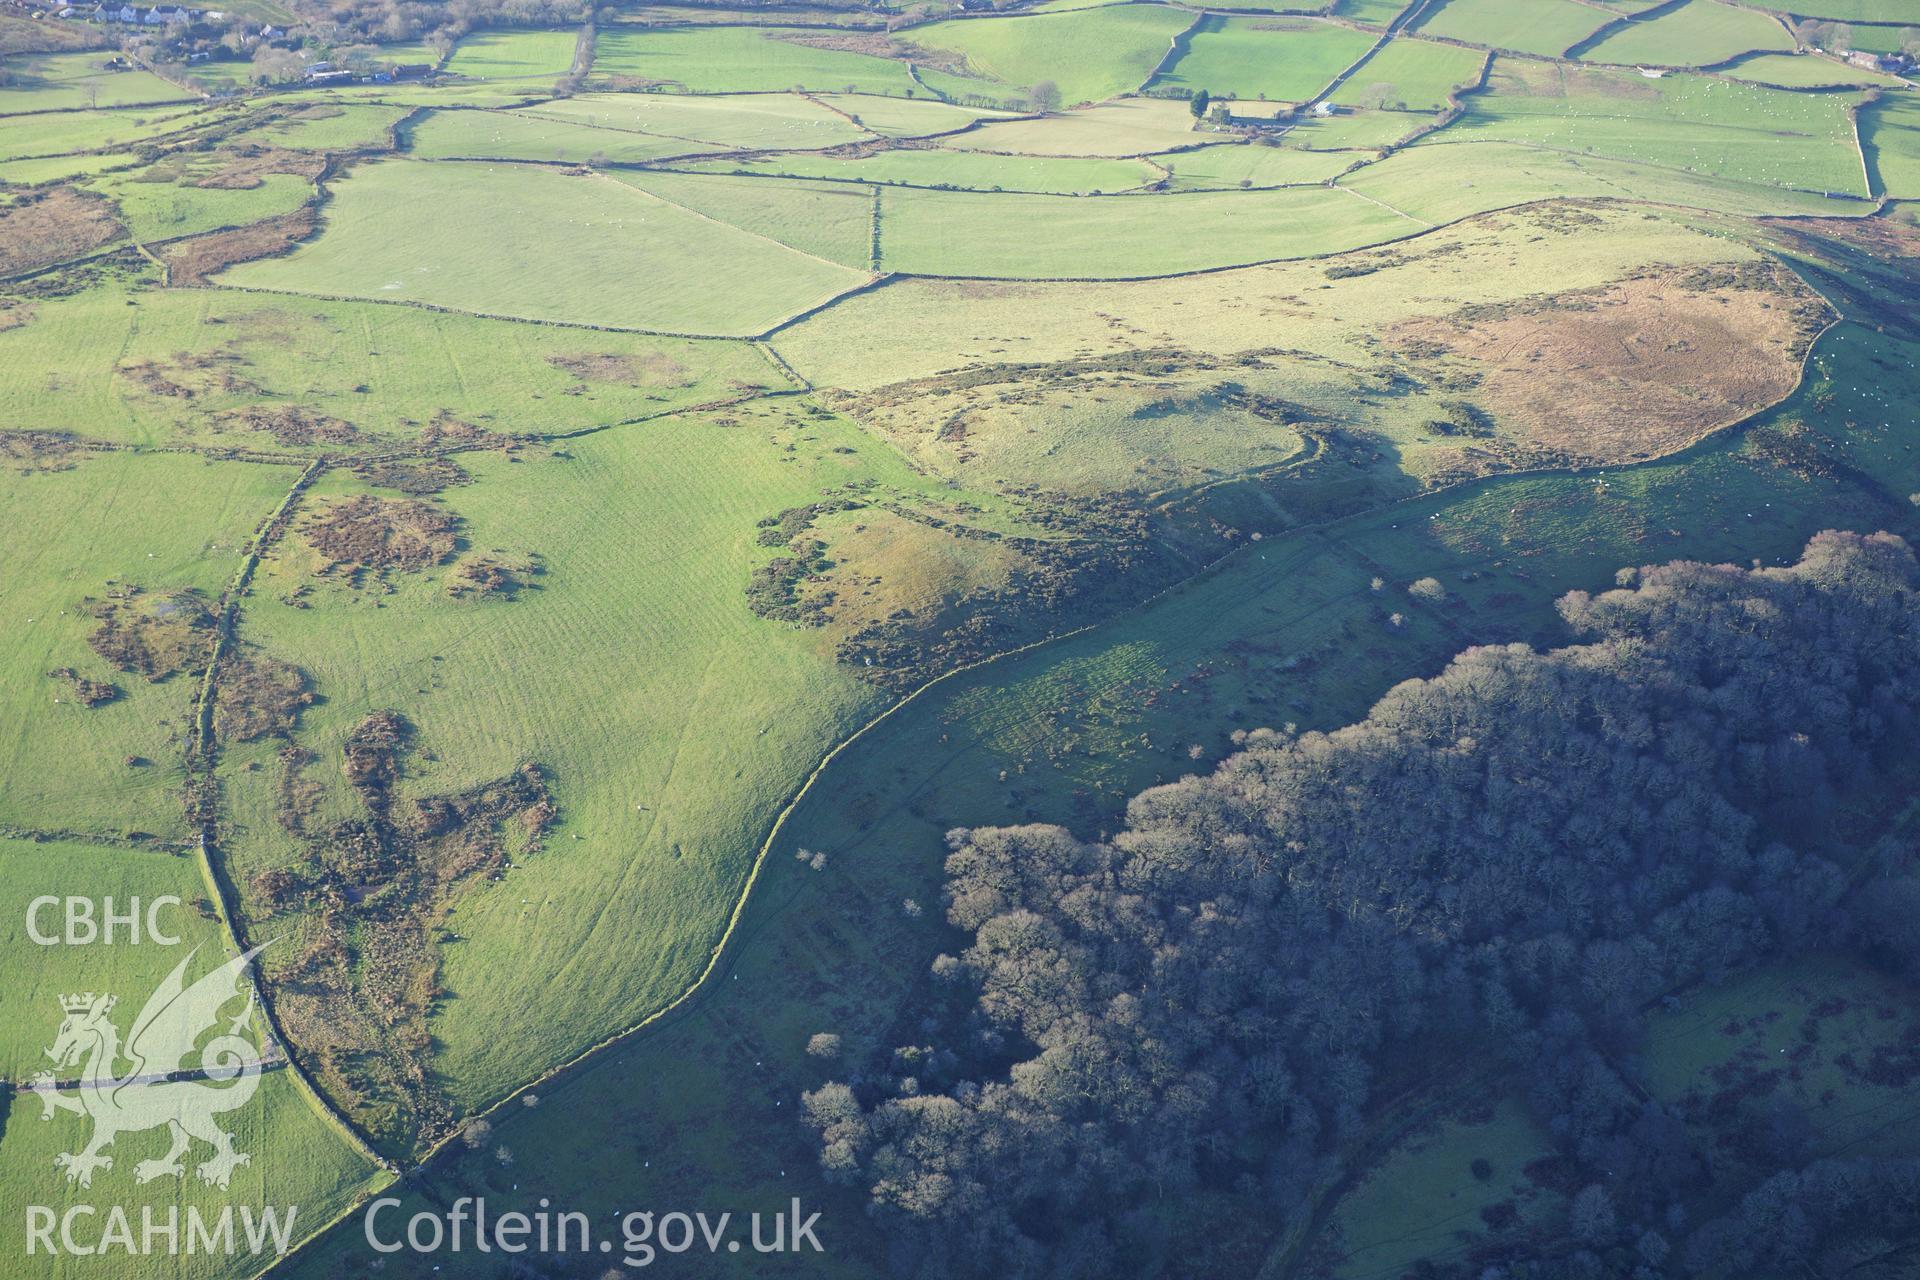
column 520, row 135
column 1699, row 33
column 1104, row 237
column 905, row 117
column 64, row 81
column 130, row 968
column 672, row 731
column 1236, row 164
column 755, row 121
column 164, row 523
column 1090, row 54
column 830, row 220
column 219, row 75
column 1353, row 130
column 1885, row 39
column 1888, row 11
column 155, row 207
column 1694, row 125
column 513, row 55
column 1820, row 1021
column 1286, row 59
column 188, row 366
column 1127, row 127
column 62, row 133
column 1444, row 181
column 1423, row 1201
column 734, row 59
column 538, row 244
column 1890, row 136
column 1066, row 733
column 970, row 170
column 1378, row 13
column 29, row 173
column 1545, row 27
column 300, row 1162
column 328, row 126
column 1803, row 71
column 1411, row 75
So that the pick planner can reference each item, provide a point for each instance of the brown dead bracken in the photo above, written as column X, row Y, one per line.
column 192, row 261
column 155, row 635
column 41, row 227
column 366, row 532
column 1635, row 369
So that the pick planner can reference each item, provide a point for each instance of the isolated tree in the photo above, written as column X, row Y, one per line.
column 1198, row 103
column 1045, row 96
column 823, row 1044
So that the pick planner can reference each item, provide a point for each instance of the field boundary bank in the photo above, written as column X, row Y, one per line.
column 202, row 751
column 98, row 840
column 1622, row 22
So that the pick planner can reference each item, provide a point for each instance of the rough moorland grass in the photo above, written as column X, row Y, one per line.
column 1037, row 237
column 300, row 1163
column 1411, row 75
column 1089, row 54
column 758, row 121
column 1442, row 181
column 969, row 170
column 670, row 720
column 210, row 366
column 1890, row 133
column 1238, row 164
column 1803, row 71
column 513, row 55
column 1695, row 125
column 163, row 523
column 63, row 81
column 163, row 209
column 1545, row 27
column 540, row 244
column 1286, row 59
column 1699, row 33
column 758, row 59
column 831, row 220
column 916, row 328
column 1129, row 127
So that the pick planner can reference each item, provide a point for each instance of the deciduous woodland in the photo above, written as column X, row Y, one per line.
column 1500, row 868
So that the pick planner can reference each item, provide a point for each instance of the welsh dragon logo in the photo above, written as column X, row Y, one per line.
column 171, row 1081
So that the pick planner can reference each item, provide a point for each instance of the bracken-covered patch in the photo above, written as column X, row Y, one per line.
column 364, row 532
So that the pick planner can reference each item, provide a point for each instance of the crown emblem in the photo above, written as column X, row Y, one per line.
column 83, row 1003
